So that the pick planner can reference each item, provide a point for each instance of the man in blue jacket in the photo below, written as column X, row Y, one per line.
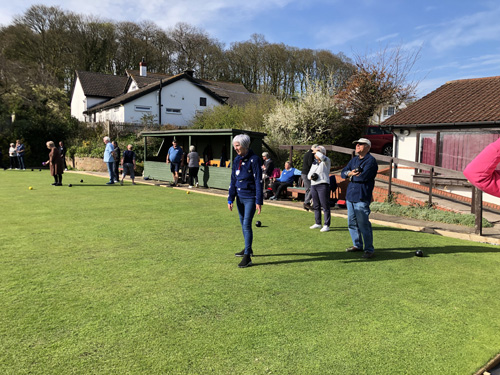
column 361, row 171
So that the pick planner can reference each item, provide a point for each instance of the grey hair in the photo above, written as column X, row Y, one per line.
column 192, row 148
column 106, row 139
column 265, row 154
column 243, row 140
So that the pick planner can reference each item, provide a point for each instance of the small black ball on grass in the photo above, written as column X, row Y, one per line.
column 81, row 180
column 32, row 169
column 40, row 170
column 70, row 185
column 258, row 224
column 419, row 253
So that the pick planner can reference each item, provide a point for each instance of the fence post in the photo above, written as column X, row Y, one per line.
column 389, row 189
column 431, row 178
column 478, row 210
column 291, row 155
column 473, row 201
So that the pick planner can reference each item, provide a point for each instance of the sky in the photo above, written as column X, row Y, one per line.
column 455, row 39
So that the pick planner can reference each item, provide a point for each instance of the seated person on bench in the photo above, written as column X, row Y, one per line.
column 285, row 180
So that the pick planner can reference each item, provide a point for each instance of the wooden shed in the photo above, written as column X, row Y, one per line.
column 213, row 145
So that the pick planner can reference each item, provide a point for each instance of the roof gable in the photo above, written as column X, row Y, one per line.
column 101, row 85
column 128, row 97
column 456, row 102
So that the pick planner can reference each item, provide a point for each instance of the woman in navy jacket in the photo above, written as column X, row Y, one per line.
column 246, row 188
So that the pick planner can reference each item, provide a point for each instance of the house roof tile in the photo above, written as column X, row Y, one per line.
column 102, row 85
column 456, row 102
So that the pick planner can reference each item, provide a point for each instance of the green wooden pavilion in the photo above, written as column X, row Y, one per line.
column 213, row 145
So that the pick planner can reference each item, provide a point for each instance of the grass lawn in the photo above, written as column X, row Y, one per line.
column 99, row 279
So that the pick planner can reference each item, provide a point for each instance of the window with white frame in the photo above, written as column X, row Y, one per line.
column 142, row 108
column 389, row 111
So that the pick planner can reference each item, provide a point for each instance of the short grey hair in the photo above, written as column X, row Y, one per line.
column 243, row 140
column 106, row 139
column 265, row 154
column 192, row 148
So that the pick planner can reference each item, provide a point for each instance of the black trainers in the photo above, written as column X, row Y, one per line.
column 368, row 254
column 246, row 261
column 241, row 253
column 353, row 249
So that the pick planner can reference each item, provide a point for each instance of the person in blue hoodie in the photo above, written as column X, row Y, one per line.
column 246, row 189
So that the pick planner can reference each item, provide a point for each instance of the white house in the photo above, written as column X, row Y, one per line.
column 167, row 99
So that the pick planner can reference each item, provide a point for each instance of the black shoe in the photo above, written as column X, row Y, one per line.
column 353, row 249
column 368, row 254
column 54, row 183
column 307, row 206
column 241, row 253
column 246, row 262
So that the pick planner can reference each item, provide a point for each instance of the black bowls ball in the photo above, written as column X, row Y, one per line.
column 81, row 180
column 70, row 185
column 419, row 253
column 258, row 224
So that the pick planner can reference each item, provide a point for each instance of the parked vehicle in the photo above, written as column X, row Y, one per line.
column 381, row 140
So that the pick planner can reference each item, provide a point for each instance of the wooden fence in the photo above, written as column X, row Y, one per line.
column 433, row 171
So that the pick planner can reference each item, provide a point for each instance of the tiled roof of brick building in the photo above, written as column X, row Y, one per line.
column 456, row 102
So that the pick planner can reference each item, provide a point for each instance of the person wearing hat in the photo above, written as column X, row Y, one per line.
column 361, row 171
column 307, row 162
column 319, row 175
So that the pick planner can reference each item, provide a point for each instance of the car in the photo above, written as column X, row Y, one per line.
column 381, row 139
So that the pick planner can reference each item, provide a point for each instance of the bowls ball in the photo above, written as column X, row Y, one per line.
column 31, row 188
column 419, row 253
column 81, row 180
column 70, row 185
column 258, row 224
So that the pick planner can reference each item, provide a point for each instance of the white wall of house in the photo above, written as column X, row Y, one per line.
column 405, row 149
column 180, row 103
column 80, row 103
column 384, row 112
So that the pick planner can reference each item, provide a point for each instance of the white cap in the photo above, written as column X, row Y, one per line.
column 363, row 140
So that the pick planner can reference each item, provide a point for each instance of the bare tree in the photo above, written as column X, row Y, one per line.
column 380, row 79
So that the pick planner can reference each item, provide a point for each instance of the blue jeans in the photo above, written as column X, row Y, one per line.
column 20, row 159
column 111, row 170
column 246, row 210
column 359, row 225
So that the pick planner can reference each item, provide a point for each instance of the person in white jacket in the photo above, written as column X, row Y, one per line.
column 319, row 174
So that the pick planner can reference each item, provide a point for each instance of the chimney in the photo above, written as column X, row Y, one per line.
column 143, row 68
column 189, row 72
